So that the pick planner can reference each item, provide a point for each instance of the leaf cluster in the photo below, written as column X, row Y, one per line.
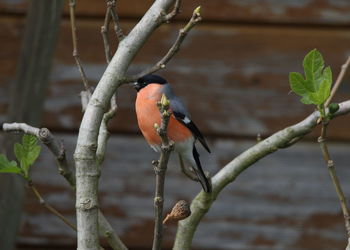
column 315, row 87
column 26, row 154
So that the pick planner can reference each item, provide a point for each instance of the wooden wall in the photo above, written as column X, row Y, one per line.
column 232, row 72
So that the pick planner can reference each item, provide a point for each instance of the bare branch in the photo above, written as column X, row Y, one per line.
column 103, row 132
column 104, row 33
column 202, row 202
column 332, row 172
column 57, row 149
column 190, row 174
column 87, row 168
column 117, row 28
column 174, row 12
column 196, row 17
column 337, row 83
column 160, row 167
column 49, row 207
column 87, row 86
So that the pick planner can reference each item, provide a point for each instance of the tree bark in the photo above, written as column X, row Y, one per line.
column 26, row 101
column 85, row 153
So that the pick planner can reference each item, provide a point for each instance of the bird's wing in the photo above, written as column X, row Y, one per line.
column 181, row 114
column 192, row 127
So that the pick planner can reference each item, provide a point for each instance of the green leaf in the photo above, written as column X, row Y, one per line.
column 7, row 166
column 297, row 83
column 306, row 100
column 313, row 65
column 315, row 87
column 27, row 152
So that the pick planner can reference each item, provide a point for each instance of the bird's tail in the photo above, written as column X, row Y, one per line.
column 200, row 173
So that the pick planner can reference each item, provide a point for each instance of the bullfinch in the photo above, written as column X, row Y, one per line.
column 181, row 129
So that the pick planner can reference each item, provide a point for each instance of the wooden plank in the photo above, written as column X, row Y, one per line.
column 328, row 12
column 233, row 78
column 285, row 201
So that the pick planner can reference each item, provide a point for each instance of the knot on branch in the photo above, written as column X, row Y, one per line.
column 180, row 211
column 321, row 139
column 44, row 135
column 158, row 201
column 86, row 204
column 330, row 164
column 111, row 3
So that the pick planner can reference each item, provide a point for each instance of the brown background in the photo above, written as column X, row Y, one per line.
column 232, row 72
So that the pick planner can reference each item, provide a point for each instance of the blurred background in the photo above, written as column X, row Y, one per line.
column 232, row 72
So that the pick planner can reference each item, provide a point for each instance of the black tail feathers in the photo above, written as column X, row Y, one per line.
column 206, row 184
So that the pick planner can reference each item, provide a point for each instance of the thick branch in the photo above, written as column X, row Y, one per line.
column 172, row 51
column 87, row 170
column 202, row 202
column 160, row 169
column 57, row 149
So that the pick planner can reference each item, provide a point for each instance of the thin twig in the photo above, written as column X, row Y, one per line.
column 160, row 167
column 57, row 149
column 337, row 83
column 88, row 90
column 103, row 132
column 174, row 12
column 104, row 33
column 190, row 174
column 196, row 17
column 332, row 172
column 49, row 207
column 117, row 28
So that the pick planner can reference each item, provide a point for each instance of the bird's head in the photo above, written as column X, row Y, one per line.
column 148, row 79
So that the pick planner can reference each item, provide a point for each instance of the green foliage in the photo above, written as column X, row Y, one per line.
column 316, row 86
column 26, row 154
column 7, row 166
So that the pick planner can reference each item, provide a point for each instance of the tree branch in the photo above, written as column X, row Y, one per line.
column 174, row 12
column 85, row 95
column 49, row 207
column 87, row 169
column 58, row 150
column 332, row 172
column 117, row 28
column 202, row 202
column 190, row 174
column 56, row 147
column 337, row 83
column 196, row 17
column 160, row 167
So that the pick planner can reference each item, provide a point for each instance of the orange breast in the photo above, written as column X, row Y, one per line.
column 148, row 114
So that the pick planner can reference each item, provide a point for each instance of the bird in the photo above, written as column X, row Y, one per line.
column 181, row 129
